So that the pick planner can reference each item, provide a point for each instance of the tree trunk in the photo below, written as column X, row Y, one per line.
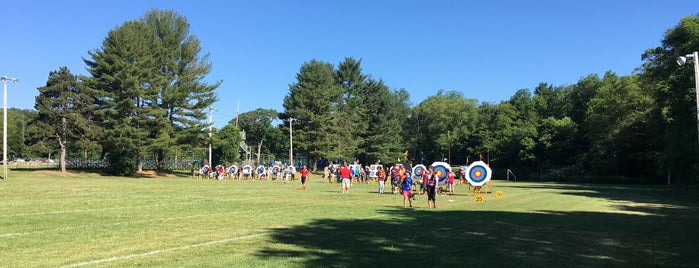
column 139, row 163
column 62, row 144
column 259, row 148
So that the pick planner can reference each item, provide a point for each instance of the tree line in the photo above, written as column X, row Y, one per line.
column 145, row 96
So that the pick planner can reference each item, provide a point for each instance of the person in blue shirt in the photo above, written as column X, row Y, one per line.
column 407, row 186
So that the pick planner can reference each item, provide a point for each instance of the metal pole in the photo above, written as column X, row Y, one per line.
column 211, row 123
column 696, row 84
column 4, row 128
column 449, row 138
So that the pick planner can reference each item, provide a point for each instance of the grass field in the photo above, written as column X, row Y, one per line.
column 84, row 220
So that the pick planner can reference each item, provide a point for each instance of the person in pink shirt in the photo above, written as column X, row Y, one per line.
column 451, row 177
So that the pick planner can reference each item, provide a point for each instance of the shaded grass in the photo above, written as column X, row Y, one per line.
column 52, row 220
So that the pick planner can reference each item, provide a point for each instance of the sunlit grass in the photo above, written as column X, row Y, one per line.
column 49, row 219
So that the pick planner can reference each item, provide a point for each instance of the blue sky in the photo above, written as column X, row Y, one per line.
column 485, row 49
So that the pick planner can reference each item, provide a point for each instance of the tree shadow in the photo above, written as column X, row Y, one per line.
column 645, row 199
column 434, row 238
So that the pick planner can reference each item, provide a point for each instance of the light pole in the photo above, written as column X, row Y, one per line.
column 291, row 142
column 211, row 124
column 681, row 61
column 449, row 138
column 4, row 124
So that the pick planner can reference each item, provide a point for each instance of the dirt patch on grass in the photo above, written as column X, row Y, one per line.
column 153, row 174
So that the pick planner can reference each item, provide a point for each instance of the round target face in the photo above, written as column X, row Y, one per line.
column 260, row 170
column 441, row 170
column 419, row 171
column 276, row 170
column 247, row 169
column 478, row 173
column 232, row 169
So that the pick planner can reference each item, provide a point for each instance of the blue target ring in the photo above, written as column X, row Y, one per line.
column 418, row 172
column 478, row 173
column 260, row 170
column 276, row 170
column 441, row 171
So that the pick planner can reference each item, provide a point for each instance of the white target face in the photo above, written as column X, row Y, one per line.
column 441, row 170
column 260, row 169
column 247, row 170
column 478, row 173
column 419, row 171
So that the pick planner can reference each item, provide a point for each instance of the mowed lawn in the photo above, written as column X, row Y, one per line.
column 49, row 219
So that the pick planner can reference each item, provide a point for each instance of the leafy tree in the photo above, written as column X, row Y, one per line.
column 121, row 74
column 617, row 127
column 674, row 92
column 65, row 107
column 149, row 81
column 352, row 107
column 227, row 145
column 437, row 117
column 17, row 124
column 257, row 125
column 312, row 102
column 182, row 95
column 383, row 121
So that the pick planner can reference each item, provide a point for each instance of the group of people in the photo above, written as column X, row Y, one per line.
column 401, row 182
column 401, row 179
column 428, row 186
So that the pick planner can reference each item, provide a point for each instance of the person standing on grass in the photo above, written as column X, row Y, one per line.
column 346, row 176
column 451, row 176
column 431, row 188
column 407, row 187
column 304, row 176
column 395, row 178
column 382, row 179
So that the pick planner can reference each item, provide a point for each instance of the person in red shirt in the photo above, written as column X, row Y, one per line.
column 346, row 176
column 304, row 176
column 382, row 179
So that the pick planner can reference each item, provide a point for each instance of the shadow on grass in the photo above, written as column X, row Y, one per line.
column 434, row 238
column 657, row 200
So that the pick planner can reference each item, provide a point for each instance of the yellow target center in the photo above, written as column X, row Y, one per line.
column 478, row 173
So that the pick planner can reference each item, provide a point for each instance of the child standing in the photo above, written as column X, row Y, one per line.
column 304, row 175
column 382, row 179
column 407, row 187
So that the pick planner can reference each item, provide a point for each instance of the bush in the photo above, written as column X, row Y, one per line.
column 122, row 164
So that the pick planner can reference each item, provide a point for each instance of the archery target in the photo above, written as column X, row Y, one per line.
column 374, row 171
column 247, row 169
column 355, row 169
column 291, row 169
column 276, row 170
column 478, row 173
column 260, row 170
column 232, row 170
column 441, row 170
column 419, row 171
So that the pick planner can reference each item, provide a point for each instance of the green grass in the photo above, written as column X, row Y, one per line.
column 80, row 219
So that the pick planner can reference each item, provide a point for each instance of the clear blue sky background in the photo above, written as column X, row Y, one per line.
column 485, row 49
